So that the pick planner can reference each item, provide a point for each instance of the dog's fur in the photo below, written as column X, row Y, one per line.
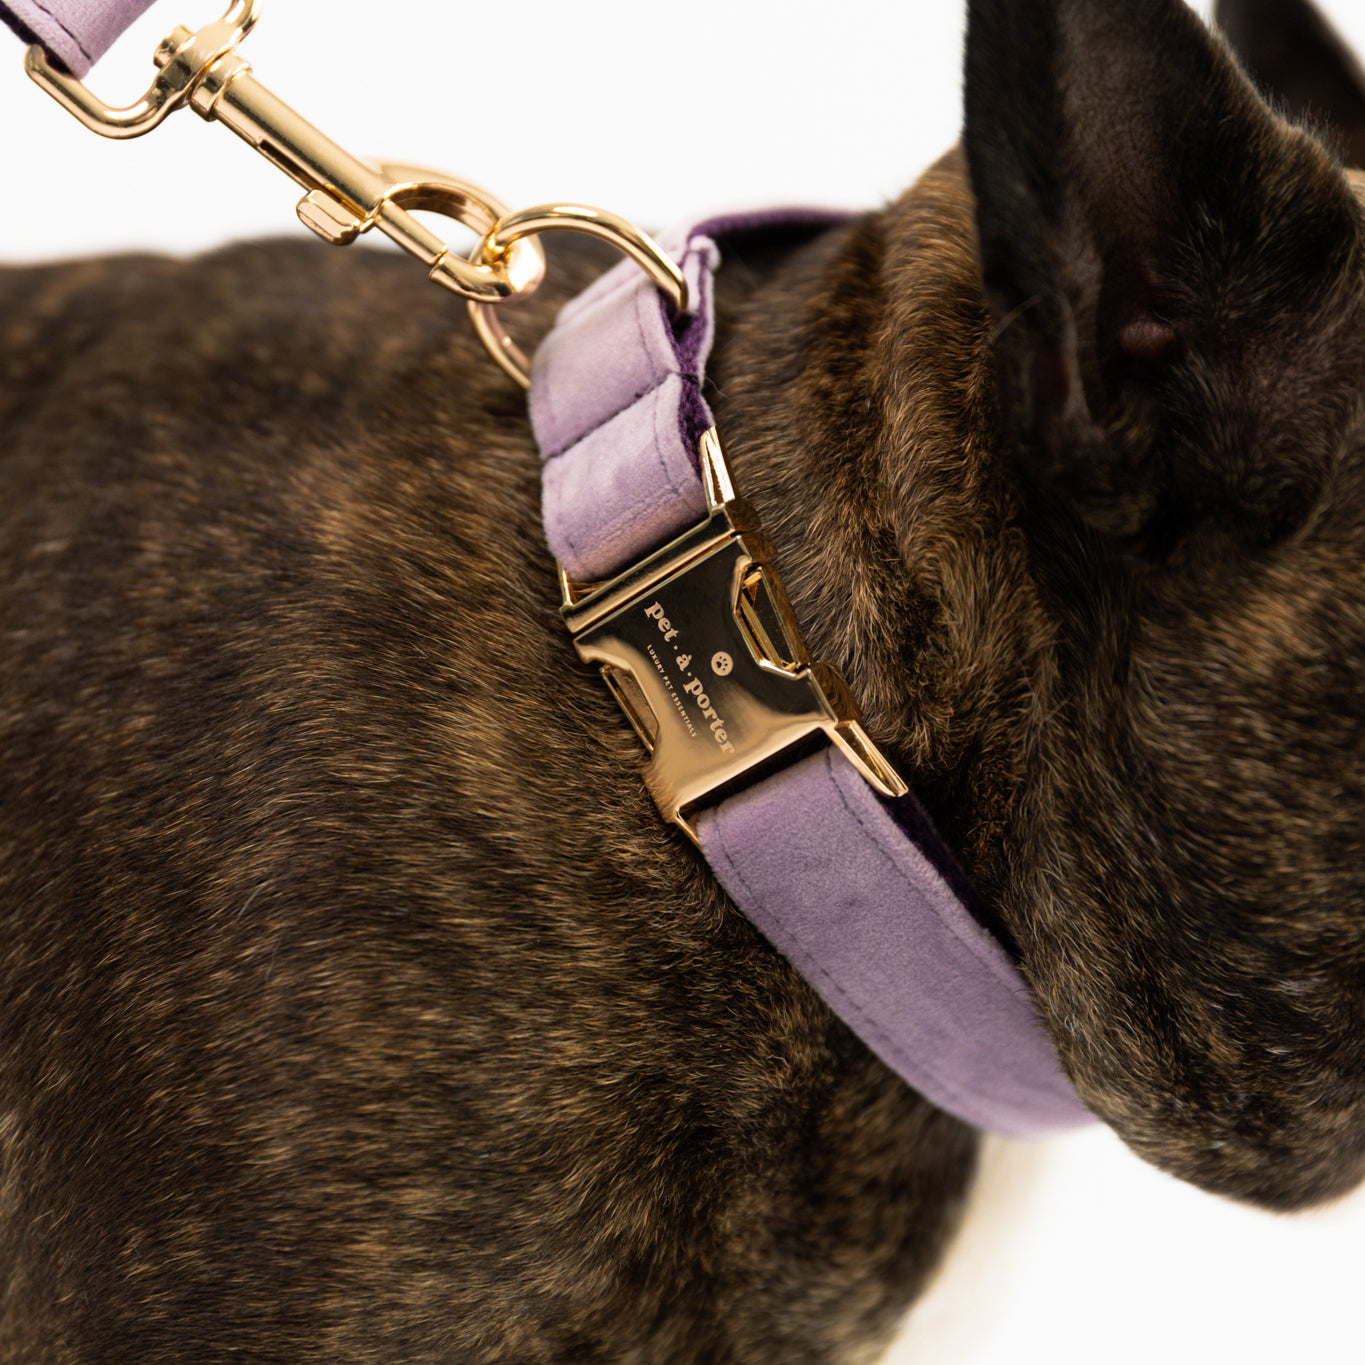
column 355, row 1004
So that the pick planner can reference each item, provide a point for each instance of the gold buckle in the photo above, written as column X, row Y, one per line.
column 700, row 647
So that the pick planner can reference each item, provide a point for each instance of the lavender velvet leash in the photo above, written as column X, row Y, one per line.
column 76, row 32
column 855, row 890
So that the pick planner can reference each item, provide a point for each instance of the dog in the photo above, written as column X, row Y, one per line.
column 357, row 1004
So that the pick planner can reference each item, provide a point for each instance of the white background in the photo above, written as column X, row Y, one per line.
column 1075, row 1252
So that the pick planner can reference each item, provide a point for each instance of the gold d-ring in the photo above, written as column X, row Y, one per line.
column 507, row 232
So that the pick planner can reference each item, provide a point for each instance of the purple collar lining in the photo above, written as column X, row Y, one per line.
column 858, row 892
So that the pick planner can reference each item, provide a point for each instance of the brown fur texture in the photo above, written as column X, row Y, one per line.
column 355, row 1004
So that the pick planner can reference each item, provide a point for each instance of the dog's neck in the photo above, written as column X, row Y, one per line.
column 855, row 889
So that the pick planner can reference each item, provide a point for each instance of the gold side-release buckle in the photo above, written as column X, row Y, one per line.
column 700, row 646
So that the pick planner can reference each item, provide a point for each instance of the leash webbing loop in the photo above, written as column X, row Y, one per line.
column 76, row 32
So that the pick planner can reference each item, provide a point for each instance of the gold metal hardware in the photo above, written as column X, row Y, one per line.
column 345, row 196
column 697, row 641
column 183, row 57
column 700, row 647
column 528, row 224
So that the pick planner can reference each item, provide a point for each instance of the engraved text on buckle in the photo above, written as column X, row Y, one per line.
column 699, row 645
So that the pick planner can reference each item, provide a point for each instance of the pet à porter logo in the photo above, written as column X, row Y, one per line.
column 692, row 686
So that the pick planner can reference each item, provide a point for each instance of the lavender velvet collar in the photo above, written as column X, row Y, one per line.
column 856, row 890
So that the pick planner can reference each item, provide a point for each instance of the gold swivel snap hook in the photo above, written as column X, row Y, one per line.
column 346, row 195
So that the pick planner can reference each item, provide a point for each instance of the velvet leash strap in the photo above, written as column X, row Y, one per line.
column 76, row 33
column 856, row 890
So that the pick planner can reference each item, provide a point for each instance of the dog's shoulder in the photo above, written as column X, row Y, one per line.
column 328, row 865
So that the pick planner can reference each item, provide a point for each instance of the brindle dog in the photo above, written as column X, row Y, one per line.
column 355, row 1004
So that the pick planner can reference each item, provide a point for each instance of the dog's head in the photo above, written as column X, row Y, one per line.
column 1176, row 278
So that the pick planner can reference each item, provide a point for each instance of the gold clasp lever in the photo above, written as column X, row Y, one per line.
column 345, row 195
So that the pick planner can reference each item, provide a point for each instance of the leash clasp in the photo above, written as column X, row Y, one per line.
column 344, row 195
column 700, row 647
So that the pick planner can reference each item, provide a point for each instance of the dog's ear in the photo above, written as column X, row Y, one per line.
column 1174, row 272
column 1302, row 64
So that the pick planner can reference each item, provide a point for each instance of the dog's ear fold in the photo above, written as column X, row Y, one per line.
column 1175, row 273
column 1300, row 62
